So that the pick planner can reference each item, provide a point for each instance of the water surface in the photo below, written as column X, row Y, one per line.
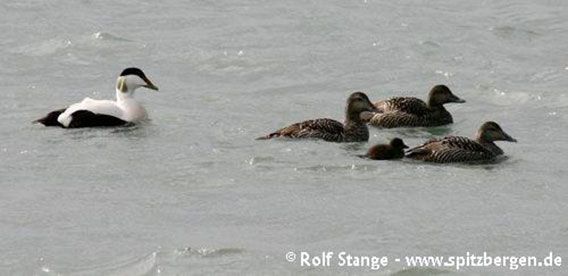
column 192, row 192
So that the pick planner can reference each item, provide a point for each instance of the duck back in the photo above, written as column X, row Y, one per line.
column 451, row 149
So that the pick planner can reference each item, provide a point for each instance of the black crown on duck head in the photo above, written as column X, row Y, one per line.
column 133, row 71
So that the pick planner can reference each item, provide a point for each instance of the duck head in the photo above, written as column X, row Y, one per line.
column 398, row 144
column 358, row 104
column 394, row 150
column 491, row 131
column 130, row 79
column 441, row 94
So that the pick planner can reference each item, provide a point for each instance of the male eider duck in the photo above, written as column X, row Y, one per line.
column 354, row 129
column 393, row 150
column 462, row 149
column 103, row 113
column 413, row 112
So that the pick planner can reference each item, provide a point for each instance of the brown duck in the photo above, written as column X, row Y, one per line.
column 353, row 130
column 413, row 112
column 393, row 150
column 462, row 149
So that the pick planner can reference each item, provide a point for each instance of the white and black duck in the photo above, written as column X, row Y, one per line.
column 125, row 110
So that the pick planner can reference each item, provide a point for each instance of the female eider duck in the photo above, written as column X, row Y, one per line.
column 103, row 113
column 462, row 149
column 413, row 112
column 354, row 129
column 393, row 150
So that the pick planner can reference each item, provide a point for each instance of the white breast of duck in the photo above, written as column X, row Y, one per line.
column 125, row 107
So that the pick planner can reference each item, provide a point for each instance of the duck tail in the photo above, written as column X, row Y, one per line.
column 50, row 119
column 269, row 136
column 416, row 152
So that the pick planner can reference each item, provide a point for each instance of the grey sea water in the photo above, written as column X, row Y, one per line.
column 192, row 192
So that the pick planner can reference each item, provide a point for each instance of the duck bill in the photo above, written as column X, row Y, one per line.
column 456, row 99
column 373, row 108
column 404, row 146
column 508, row 137
column 366, row 116
column 150, row 85
column 368, row 113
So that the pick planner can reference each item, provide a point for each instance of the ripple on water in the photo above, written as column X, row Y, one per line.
column 507, row 98
column 75, row 49
column 134, row 266
column 334, row 168
column 416, row 132
column 207, row 252
column 44, row 48
column 108, row 37
column 514, row 33
column 260, row 159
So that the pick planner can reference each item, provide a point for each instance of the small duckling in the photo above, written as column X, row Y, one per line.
column 354, row 129
column 393, row 150
column 463, row 149
column 413, row 112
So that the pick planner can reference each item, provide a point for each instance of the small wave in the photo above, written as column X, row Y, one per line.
column 69, row 46
column 138, row 266
column 259, row 159
column 417, row 132
column 505, row 98
column 513, row 33
column 446, row 74
column 352, row 147
column 43, row 48
column 429, row 43
column 207, row 252
column 328, row 168
column 547, row 76
column 108, row 37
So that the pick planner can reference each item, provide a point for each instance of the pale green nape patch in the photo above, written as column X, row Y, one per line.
column 121, row 85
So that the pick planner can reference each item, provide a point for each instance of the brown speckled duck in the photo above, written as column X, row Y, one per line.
column 354, row 129
column 462, row 149
column 393, row 150
column 413, row 112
